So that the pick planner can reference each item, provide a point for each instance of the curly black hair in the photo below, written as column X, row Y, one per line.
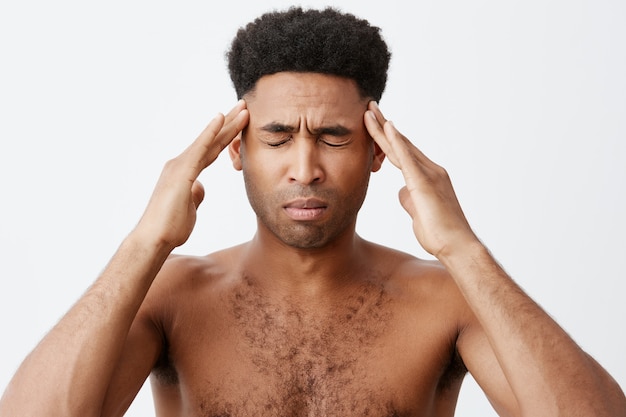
column 322, row 41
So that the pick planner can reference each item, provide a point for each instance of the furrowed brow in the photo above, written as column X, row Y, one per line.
column 337, row 130
column 275, row 127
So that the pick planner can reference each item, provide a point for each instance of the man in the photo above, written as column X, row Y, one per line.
column 307, row 318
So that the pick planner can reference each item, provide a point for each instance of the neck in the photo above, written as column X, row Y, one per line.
column 311, row 271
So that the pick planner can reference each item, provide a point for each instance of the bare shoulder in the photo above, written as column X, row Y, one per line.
column 413, row 276
column 422, row 288
column 430, row 314
column 187, row 272
column 185, row 278
column 186, row 295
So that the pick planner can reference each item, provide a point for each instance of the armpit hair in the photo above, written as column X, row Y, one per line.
column 454, row 373
column 164, row 370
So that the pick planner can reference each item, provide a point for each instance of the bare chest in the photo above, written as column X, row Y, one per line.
column 266, row 359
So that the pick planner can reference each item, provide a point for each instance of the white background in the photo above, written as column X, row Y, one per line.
column 524, row 102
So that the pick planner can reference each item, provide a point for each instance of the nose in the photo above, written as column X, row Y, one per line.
column 304, row 163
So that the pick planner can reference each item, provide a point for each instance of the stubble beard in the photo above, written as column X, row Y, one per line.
column 306, row 235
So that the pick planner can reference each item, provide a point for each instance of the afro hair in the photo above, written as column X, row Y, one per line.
column 321, row 41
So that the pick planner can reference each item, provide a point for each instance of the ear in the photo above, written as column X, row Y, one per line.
column 234, row 150
column 379, row 157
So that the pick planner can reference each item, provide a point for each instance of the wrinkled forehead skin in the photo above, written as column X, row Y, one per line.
column 306, row 101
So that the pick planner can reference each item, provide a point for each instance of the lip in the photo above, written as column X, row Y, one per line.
column 306, row 203
column 305, row 209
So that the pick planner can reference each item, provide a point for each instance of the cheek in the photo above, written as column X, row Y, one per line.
column 259, row 169
column 263, row 187
column 354, row 161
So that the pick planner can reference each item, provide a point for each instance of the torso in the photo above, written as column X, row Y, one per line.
column 385, row 347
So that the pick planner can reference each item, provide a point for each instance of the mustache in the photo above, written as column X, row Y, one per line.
column 306, row 191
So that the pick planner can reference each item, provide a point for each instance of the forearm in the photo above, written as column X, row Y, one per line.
column 547, row 370
column 68, row 372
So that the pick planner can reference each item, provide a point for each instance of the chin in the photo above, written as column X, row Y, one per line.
column 305, row 243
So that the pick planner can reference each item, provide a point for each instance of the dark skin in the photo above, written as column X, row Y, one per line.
column 307, row 318
column 322, row 330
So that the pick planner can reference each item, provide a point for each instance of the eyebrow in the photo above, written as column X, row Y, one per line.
column 335, row 130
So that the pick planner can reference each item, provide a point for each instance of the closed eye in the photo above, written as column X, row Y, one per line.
column 277, row 143
column 334, row 143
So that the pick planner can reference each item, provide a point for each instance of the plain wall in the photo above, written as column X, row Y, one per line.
column 523, row 102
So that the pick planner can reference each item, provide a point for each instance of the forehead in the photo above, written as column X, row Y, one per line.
column 290, row 97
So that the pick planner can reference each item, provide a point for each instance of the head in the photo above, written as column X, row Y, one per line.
column 307, row 78
column 320, row 41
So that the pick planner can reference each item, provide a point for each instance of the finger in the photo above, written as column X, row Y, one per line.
column 398, row 139
column 213, row 132
column 374, row 122
column 373, row 106
column 375, row 115
column 234, row 122
column 215, row 137
column 398, row 148
column 232, row 114
column 402, row 150
column 383, row 131
column 386, row 136
column 195, row 154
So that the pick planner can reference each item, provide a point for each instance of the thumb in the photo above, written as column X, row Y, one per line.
column 406, row 201
column 197, row 193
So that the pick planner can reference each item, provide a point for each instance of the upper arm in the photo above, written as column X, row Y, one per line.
column 482, row 363
column 140, row 352
column 454, row 315
column 146, row 338
column 144, row 344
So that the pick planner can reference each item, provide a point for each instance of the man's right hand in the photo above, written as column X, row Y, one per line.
column 74, row 365
column 170, row 215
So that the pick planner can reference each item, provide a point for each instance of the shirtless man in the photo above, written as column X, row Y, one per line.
column 307, row 318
